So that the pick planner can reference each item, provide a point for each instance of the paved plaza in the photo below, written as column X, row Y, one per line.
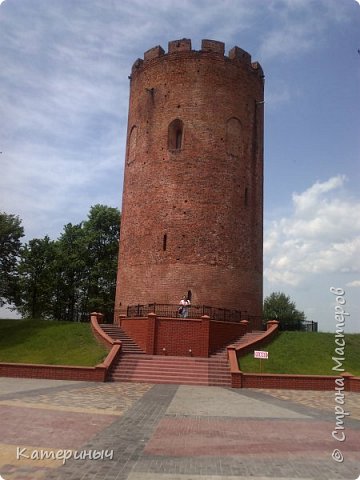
column 133, row 431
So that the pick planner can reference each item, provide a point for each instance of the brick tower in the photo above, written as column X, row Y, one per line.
column 192, row 213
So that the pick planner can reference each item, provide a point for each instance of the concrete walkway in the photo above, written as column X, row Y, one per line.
column 128, row 431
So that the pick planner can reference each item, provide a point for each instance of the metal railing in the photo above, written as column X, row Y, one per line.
column 305, row 326
column 194, row 311
column 256, row 322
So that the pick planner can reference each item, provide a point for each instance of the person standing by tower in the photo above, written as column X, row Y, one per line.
column 184, row 307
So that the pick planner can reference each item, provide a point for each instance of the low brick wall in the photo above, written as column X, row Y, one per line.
column 100, row 335
column 294, row 382
column 290, row 382
column 240, row 379
column 53, row 372
column 354, row 383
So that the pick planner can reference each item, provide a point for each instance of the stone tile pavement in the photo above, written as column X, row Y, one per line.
column 318, row 400
column 171, row 432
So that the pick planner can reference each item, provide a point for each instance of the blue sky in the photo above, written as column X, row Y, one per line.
column 64, row 98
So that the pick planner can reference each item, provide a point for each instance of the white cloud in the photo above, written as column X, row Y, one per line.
column 306, row 200
column 64, row 90
column 321, row 235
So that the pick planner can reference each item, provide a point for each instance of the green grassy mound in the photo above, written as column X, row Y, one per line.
column 51, row 343
column 306, row 353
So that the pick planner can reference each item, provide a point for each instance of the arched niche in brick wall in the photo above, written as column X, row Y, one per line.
column 131, row 156
column 233, row 137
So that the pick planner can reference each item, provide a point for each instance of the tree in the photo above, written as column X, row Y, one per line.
column 279, row 306
column 68, row 278
column 70, row 273
column 102, row 240
column 11, row 232
column 36, row 279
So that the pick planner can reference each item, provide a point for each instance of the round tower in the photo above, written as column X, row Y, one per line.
column 192, row 212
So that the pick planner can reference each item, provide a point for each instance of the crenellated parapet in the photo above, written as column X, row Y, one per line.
column 183, row 46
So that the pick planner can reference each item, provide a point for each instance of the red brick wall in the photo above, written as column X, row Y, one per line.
column 223, row 333
column 291, row 382
column 206, row 197
column 354, row 384
column 178, row 336
column 53, row 372
column 137, row 329
column 99, row 334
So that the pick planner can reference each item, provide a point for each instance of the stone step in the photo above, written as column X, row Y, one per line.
column 170, row 369
column 248, row 337
column 116, row 333
column 173, row 377
column 156, row 359
column 174, row 381
column 170, row 373
column 156, row 363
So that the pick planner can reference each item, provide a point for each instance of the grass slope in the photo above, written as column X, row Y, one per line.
column 52, row 343
column 307, row 353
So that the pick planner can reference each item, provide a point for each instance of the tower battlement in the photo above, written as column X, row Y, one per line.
column 183, row 46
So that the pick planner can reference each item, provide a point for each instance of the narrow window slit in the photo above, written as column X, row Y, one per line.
column 175, row 135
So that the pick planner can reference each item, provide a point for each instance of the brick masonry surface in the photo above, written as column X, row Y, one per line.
column 165, row 432
column 193, row 184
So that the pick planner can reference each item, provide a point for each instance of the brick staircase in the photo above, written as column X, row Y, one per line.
column 247, row 338
column 115, row 332
column 167, row 369
column 134, row 365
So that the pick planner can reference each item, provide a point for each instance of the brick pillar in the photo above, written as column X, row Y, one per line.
column 120, row 318
column 151, row 333
column 236, row 374
column 244, row 326
column 270, row 323
column 205, row 336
